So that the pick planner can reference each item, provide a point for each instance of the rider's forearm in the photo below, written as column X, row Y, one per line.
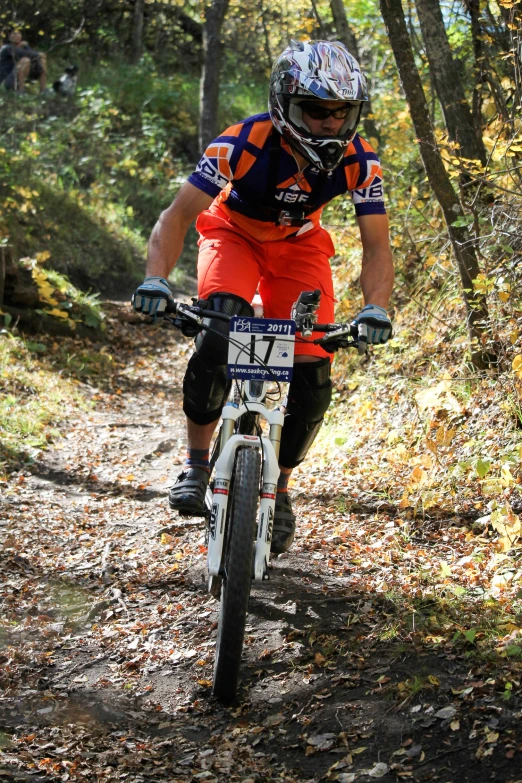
column 377, row 277
column 165, row 246
column 168, row 235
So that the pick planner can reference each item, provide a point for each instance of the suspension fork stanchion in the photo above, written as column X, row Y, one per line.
column 222, row 476
column 268, row 495
column 275, row 437
column 227, row 428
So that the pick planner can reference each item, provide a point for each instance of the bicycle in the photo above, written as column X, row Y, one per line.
column 241, row 496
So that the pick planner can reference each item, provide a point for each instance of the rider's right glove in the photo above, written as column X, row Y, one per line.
column 152, row 296
column 378, row 325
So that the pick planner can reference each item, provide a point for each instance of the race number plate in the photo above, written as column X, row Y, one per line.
column 261, row 349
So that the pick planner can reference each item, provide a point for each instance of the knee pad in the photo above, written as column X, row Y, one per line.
column 309, row 396
column 206, row 386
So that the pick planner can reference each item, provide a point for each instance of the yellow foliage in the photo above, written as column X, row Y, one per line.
column 399, row 454
column 418, row 476
column 507, row 524
column 492, row 486
column 444, row 436
column 482, row 284
column 45, row 289
column 58, row 313
column 516, row 365
column 426, row 461
column 506, row 476
column 438, row 397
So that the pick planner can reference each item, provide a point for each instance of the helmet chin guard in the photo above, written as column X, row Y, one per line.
column 318, row 70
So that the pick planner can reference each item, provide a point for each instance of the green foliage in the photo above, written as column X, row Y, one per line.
column 482, row 467
column 32, row 398
column 86, row 181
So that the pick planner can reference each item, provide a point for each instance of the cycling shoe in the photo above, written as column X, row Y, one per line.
column 284, row 525
column 187, row 495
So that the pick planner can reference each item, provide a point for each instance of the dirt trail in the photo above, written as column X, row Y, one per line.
column 107, row 642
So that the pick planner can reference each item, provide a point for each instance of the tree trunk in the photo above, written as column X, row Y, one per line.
column 210, row 75
column 483, row 65
column 4, row 250
column 137, row 31
column 448, row 84
column 320, row 27
column 346, row 35
column 268, row 50
column 473, row 8
column 476, row 306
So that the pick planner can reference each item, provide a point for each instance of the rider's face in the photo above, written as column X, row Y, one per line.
column 15, row 37
column 329, row 126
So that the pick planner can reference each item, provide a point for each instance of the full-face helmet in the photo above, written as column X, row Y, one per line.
column 316, row 70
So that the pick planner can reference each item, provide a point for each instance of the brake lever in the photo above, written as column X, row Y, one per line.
column 362, row 339
column 345, row 337
column 187, row 312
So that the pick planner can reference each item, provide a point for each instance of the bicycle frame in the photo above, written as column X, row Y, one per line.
column 223, row 472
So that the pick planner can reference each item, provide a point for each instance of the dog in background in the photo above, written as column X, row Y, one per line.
column 66, row 84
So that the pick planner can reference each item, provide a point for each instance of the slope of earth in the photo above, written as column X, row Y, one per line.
column 353, row 669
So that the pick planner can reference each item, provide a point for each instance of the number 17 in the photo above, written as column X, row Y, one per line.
column 267, row 338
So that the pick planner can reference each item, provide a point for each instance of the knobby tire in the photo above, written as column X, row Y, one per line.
column 237, row 578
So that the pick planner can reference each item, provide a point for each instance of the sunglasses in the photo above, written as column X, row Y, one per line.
column 318, row 112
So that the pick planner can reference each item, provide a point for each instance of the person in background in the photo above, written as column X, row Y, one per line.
column 258, row 193
column 20, row 64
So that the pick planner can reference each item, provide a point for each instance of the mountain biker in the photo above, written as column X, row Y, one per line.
column 257, row 194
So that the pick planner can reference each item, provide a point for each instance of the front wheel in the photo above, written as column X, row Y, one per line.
column 237, row 576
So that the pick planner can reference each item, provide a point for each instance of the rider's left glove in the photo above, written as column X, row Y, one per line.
column 378, row 325
column 152, row 296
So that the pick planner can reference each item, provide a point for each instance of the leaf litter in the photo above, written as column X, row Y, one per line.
column 383, row 646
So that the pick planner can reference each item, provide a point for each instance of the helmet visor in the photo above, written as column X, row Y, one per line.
column 349, row 112
column 318, row 112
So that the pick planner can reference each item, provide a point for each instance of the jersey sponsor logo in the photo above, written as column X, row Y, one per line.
column 373, row 192
column 292, row 198
column 214, row 166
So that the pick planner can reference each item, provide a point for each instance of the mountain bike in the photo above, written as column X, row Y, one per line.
column 241, row 496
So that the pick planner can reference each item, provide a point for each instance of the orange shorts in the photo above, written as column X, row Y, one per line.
column 230, row 262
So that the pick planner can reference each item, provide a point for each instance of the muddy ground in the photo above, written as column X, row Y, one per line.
column 108, row 632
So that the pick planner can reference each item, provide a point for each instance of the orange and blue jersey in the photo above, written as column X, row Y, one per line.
column 252, row 175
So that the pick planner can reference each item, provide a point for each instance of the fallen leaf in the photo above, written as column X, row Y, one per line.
column 322, row 741
column 379, row 770
column 446, row 712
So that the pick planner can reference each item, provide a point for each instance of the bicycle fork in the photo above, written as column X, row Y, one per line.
column 270, row 474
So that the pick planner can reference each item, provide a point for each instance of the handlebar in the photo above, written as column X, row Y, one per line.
column 336, row 335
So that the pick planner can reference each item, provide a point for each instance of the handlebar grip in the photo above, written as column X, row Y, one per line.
column 172, row 308
column 354, row 332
